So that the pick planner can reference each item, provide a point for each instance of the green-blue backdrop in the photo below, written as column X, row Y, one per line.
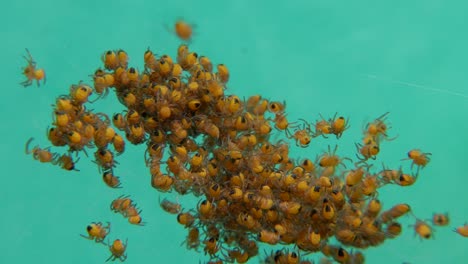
column 358, row 58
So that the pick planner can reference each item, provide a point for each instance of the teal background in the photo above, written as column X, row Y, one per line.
column 358, row 58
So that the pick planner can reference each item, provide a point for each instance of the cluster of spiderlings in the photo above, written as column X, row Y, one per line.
column 203, row 142
column 78, row 128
